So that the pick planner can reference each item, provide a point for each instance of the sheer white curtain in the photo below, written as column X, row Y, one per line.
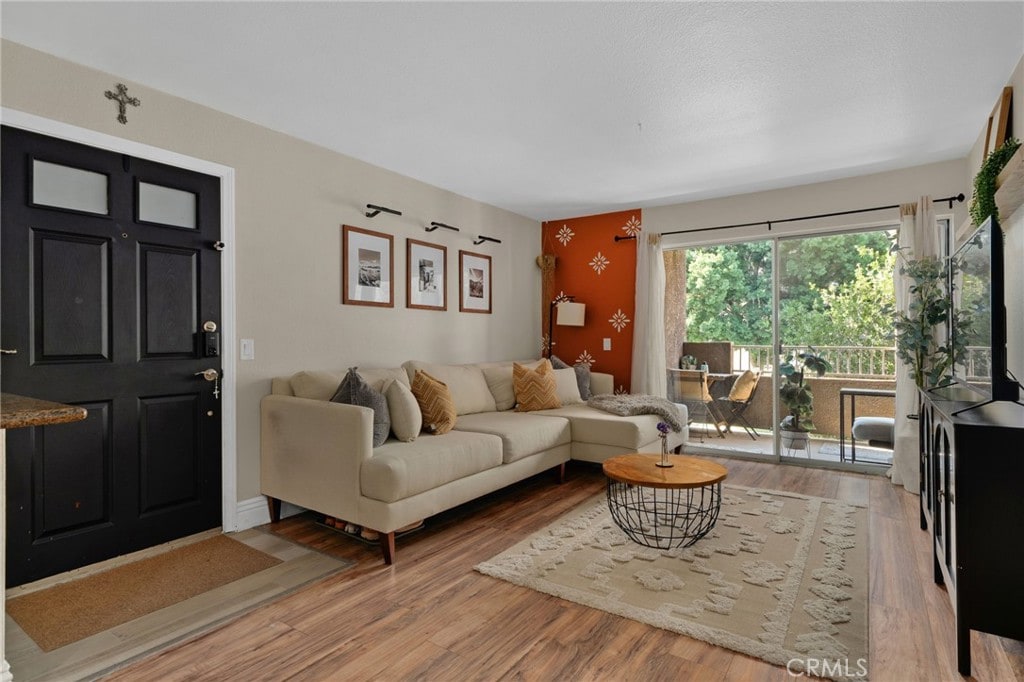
column 918, row 238
column 649, row 332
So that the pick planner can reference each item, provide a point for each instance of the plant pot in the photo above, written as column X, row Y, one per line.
column 794, row 440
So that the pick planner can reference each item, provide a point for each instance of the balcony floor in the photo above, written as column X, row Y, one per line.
column 823, row 448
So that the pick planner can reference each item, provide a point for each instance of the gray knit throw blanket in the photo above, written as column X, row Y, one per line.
column 631, row 405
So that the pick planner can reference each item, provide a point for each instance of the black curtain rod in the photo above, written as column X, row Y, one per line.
column 958, row 198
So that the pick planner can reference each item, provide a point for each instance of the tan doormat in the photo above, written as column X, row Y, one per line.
column 66, row 613
column 781, row 577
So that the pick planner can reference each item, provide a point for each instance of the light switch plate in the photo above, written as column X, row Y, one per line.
column 248, row 351
column 607, row 344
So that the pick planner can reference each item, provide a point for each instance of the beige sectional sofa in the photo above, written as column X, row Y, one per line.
column 319, row 455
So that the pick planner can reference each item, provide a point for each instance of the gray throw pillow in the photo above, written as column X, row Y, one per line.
column 582, row 375
column 353, row 390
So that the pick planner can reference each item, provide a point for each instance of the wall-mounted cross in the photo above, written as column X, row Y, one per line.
column 122, row 100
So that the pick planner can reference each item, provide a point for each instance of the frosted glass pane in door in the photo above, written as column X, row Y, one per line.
column 67, row 187
column 166, row 206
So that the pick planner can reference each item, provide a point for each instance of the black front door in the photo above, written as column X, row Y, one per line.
column 109, row 273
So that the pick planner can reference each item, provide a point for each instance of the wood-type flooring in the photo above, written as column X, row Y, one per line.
column 430, row 616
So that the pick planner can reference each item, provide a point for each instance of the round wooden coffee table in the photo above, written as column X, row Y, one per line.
column 664, row 507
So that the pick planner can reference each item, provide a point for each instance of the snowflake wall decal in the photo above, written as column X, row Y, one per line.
column 599, row 263
column 561, row 297
column 632, row 226
column 565, row 235
column 586, row 358
column 619, row 320
column 544, row 344
column 621, row 390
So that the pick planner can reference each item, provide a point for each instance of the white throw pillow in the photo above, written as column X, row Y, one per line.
column 406, row 418
column 566, row 386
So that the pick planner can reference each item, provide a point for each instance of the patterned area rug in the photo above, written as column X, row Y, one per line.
column 782, row 577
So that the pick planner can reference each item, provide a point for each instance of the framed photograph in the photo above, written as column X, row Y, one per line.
column 367, row 260
column 474, row 282
column 998, row 122
column 426, row 276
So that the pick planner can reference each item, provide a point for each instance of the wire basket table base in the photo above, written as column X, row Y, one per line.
column 664, row 518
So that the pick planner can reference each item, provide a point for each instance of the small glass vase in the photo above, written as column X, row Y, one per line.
column 664, row 463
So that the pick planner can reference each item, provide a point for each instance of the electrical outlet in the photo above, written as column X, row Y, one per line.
column 607, row 344
column 248, row 349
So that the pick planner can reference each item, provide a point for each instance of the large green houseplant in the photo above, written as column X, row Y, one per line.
column 795, row 393
column 921, row 341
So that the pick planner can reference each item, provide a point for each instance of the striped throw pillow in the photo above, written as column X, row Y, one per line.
column 435, row 402
column 535, row 389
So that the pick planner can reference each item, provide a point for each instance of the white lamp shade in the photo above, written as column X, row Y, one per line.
column 570, row 314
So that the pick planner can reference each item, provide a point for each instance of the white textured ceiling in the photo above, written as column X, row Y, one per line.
column 554, row 110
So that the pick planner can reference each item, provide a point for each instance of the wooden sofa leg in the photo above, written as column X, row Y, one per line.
column 387, row 546
column 561, row 472
column 274, row 505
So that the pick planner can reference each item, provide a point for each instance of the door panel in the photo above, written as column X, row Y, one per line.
column 168, row 300
column 107, row 312
column 75, row 466
column 169, row 430
column 72, row 297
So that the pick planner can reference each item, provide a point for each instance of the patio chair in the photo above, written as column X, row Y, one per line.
column 736, row 403
column 692, row 390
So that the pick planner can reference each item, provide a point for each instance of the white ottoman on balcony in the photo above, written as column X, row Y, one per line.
column 875, row 430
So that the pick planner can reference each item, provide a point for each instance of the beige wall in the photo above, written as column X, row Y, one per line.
column 879, row 189
column 291, row 198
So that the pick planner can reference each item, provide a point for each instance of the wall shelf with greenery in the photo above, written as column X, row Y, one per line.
column 1010, row 185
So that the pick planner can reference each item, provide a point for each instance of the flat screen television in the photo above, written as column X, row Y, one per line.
column 978, row 313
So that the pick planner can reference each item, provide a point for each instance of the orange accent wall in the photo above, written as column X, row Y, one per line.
column 600, row 272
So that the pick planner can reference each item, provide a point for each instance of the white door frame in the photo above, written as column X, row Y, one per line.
column 71, row 133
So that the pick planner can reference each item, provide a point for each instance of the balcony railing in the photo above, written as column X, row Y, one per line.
column 859, row 361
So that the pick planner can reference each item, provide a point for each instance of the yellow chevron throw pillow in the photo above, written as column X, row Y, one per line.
column 535, row 389
column 435, row 402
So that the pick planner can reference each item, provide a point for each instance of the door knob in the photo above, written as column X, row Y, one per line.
column 214, row 376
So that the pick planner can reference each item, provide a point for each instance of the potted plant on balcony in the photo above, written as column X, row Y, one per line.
column 688, row 362
column 795, row 393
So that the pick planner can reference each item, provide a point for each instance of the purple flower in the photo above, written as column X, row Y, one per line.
column 663, row 427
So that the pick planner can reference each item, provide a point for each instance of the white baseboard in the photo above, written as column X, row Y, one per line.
column 255, row 512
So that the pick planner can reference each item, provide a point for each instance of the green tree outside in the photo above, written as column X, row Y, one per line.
column 837, row 290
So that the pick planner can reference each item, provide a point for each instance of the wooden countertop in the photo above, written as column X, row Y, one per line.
column 17, row 411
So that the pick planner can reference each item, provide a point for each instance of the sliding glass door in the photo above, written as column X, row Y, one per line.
column 797, row 336
column 837, row 359
column 719, row 330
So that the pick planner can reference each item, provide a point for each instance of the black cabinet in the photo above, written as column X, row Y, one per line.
column 972, row 502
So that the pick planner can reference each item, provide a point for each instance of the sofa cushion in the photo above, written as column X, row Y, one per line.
column 435, row 401
column 521, row 434
column 466, row 383
column 590, row 425
column 354, row 390
column 499, row 380
column 400, row 470
column 582, row 371
column 321, row 384
column 406, row 418
column 566, row 386
column 379, row 376
column 535, row 388
column 318, row 385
